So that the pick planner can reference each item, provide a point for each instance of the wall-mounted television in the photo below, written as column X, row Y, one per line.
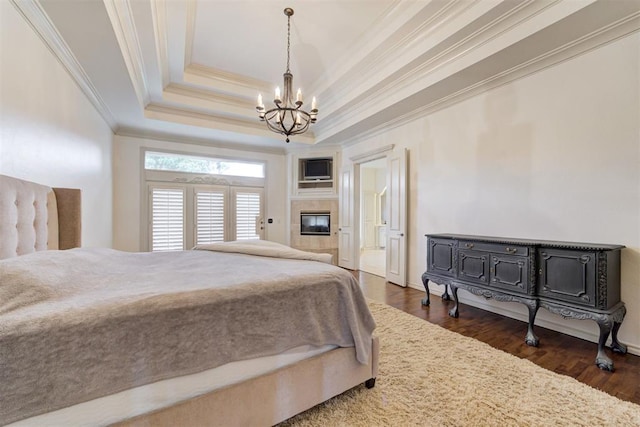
column 315, row 169
column 315, row 224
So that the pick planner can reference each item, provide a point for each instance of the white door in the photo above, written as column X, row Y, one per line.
column 210, row 214
column 397, row 222
column 248, row 213
column 369, row 206
column 346, row 230
column 166, row 218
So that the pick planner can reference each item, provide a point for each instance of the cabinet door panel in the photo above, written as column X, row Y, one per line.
column 473, row 266
column 510, row 273
column 440, row 258
column 568, row 276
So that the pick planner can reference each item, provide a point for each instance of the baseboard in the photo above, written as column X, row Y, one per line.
column 505, row 310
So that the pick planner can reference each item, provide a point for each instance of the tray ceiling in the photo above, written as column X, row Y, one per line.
column 190, row 70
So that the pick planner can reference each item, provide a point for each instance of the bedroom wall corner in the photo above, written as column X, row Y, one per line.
column 49, row 131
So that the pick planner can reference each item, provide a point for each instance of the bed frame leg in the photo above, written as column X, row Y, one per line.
column 370, row 383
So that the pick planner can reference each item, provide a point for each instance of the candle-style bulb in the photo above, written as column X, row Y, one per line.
column 314, row 106
column 298, row 120
column 260, row 104
column 278, row 93
column 299, row 95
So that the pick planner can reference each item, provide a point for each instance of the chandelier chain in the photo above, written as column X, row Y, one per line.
column 288, row 40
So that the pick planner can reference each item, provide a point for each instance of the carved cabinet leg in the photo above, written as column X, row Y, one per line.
column 617, row 346
column 454, row 311
column 425, row 301
column 531, row 339
column 602, row 360
column 445, row 296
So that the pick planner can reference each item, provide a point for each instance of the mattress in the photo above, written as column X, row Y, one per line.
column 140, row 318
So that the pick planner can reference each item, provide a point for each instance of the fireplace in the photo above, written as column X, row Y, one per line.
column 315, row 223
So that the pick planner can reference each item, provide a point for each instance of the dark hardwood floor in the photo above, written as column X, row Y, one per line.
column 557, row 352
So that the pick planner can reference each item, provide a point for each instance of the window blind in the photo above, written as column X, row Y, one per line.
column 210, row 218
column 247, row 215
column 167, row 219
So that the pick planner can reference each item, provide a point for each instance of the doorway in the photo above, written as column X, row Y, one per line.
column 395, row 209
column 373, row 216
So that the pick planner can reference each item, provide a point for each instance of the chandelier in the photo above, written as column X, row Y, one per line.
column 287, row 117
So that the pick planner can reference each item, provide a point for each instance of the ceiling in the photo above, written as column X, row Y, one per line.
column 191, row 70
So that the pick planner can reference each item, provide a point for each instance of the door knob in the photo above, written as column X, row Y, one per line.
column 401, row 234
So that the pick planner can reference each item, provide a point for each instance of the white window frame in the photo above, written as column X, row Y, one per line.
column 190, row 182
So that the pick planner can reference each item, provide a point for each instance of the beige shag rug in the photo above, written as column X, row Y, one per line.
column 430, row 376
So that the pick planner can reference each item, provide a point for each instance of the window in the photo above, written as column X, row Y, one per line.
column 187, row 207
column 202, row 165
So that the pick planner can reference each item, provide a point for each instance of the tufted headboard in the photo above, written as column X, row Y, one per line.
column 35, row 217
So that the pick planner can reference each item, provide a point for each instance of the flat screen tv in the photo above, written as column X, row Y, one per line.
column 314, row 169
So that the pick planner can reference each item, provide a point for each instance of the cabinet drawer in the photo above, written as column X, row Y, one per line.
column 496, row 248
column 567, row 275
column 510, row 273
column 440, row 256
column 473, row 266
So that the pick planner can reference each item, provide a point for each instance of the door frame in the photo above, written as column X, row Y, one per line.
column 356, row 161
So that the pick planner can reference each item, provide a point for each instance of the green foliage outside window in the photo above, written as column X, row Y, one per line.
column 184, row 163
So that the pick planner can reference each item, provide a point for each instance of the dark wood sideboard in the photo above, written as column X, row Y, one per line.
column 574, row 280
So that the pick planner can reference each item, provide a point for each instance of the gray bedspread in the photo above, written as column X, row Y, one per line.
column 84, row 323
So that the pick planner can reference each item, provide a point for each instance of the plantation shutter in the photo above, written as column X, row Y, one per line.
column 248, row 214
column 210, row 216
column 167, row 219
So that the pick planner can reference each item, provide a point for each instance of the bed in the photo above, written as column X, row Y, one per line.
column 247, row 333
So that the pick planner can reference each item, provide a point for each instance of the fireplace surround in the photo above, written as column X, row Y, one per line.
column 327, row 244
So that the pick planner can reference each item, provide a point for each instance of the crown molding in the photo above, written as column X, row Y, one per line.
column 159, row 19
column 124, row 27
column 208, row 142
column 204, row 99
column 211, row 121
column 387, row 23
column 368, row 155
column 394, row 65
column 583, row 45
column 418, row 34
column 190, row 31
column 38, row 19
column 225, row 81
column 462, row 56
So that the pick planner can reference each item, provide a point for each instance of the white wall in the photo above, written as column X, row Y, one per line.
column 49, row 132
column 555, row 155
column 127, row 164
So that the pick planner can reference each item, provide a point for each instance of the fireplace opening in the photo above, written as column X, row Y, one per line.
column 317, row 224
